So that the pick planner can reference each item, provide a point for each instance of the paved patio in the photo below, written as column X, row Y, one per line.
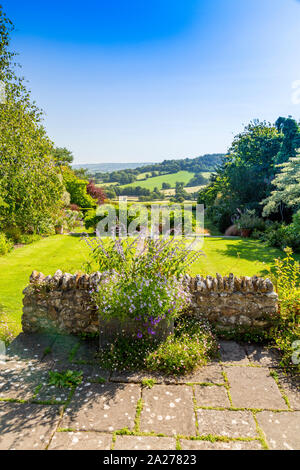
column 245, row 401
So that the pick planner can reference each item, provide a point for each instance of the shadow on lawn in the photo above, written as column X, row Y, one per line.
column 254, row 252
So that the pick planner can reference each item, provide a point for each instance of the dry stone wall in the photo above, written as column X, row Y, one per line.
column 64, row 303
column 233, row 301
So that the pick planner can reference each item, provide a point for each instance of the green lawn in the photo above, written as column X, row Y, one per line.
column 157, row 181
column 47, row 255
column 68, row 253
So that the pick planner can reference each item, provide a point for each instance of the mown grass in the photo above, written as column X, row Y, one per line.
column 47, row 255
column 68, row 253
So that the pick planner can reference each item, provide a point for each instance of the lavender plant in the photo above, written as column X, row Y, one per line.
column 142, row 280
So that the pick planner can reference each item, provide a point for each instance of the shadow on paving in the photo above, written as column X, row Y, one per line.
column 26, row 426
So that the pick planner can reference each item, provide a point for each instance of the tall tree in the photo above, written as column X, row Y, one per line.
column 30, row 189
column 291, row 139
column 62, row 156
column 287, row 188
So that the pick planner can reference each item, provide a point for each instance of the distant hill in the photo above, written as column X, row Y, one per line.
column 110, row 167
column 199, row 164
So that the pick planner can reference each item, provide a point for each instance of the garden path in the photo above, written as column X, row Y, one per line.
column 243, row 401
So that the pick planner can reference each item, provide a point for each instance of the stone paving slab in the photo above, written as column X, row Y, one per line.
column 144, row 443
column 86, row 350
column 253, row 387
column 259, row 355
column 105, row 408
column 27, row 426
column 233, row 353
column 207, row 374
column 61, row 349
column 211, row 396
column 81, row 441
column 19, row 381
column 52, row 394
column 232, row 445
column 106, row 402
column 226, row 423
column 282, row 430
column 28, row 347
column 168, row 409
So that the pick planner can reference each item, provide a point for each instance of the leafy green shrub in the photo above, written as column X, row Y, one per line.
column 190, row 347
column 281, row 236
column 45, row 226
column 27, row 239
column 77, row 188
column 13, row 233
column 145, row 300
column 287, row 281
column 6, row 245
column 142, row 280
column 250, row 221
column 220, row 216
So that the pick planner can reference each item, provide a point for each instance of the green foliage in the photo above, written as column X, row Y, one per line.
column 143, row 256
column 287, row 184
column 149, row 383
column 249, row 220
column 180, row 194
column 62, row 156
column 68, row 219
column 198, row 180
column 190, row 347
column 145, row 301
column 67, row 379
column 281, row 235
column 287, row 331
column 141, row 280
column 29, row 185
column 6, row 333
column 77, row 189
column 290, row 130
column 93, row 217
column 6, row 245
column 221, row 216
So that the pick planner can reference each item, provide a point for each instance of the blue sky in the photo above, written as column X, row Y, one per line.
column 141, row 80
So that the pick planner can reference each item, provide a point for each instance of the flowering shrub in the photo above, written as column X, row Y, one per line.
column 145, row 300
column 170, row 257
column 142, row 280
column 189, row 347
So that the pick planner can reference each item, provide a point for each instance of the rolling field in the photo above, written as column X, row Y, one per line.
column 157, row 181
